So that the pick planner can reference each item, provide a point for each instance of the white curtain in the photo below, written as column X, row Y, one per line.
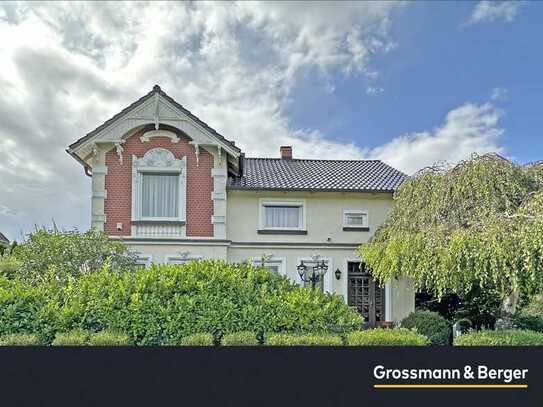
column 282, row 216
column 160, row 194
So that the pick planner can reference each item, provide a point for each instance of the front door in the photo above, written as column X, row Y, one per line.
column 364, row 294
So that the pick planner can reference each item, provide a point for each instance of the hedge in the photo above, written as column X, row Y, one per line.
column 76, row 337
column 20, row 340
column 500, row 338
column 109, row 338
column 430, row 324
column 245, row 338
column 198, row 339
column 164, row 303
column 293, row 339
column 386, row 337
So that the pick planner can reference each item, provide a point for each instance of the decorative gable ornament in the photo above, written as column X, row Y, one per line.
column 159, row 158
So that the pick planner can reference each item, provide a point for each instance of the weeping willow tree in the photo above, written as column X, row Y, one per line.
column 453, row 228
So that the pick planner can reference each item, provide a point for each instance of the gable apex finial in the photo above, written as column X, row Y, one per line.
column 156, row 88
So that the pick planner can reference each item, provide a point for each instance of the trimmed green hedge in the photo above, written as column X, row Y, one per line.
column 20, row 340
column 293, row 339
column 430, row 324
column 500, row 338
column 109, row 338
column 164, row 303
column 245, row 338
column 386, row 337
column 77, row 337
column 198, row 339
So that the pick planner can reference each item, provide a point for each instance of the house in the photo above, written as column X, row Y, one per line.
column 175, row 190
column 4, row 242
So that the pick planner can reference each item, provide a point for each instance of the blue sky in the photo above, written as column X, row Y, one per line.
column 410, row 83
column 439, row 61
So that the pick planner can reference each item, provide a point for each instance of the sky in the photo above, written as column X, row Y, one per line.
column 410, row 83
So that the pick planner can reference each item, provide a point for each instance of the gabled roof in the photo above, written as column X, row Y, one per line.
column 3, row 240
column 317, row 175
column 156, row 90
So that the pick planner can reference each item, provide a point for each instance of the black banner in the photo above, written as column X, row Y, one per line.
column 269, row 376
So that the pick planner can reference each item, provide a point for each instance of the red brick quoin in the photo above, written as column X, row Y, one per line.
column 118, row 205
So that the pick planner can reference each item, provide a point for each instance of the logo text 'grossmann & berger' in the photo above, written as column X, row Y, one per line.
column 450, row 377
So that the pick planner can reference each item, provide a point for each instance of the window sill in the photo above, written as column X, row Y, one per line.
column 281, row 232
column 159, row 222
column 356, row 229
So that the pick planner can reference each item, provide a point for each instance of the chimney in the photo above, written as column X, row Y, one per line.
column 286, row 152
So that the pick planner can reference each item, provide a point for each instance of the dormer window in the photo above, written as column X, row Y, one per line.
column 158, row 187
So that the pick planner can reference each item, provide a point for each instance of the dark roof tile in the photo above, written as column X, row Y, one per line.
column 322, row 175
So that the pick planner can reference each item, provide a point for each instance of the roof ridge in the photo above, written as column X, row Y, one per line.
column 311, row 159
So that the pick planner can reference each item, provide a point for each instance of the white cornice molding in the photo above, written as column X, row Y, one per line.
column 147, row 136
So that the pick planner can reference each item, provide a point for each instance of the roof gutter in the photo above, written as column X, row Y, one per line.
column 86, row 167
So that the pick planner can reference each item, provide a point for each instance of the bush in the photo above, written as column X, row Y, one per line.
column 68, row 254
column 528, row 322
column 198, row 339
column 161, row 304
column 500, row 338
column 300, row 339
column 430, row 324
column 73, row 338
column 109, row 338
column 20, row 340
column 245, row 338
column 386, row 337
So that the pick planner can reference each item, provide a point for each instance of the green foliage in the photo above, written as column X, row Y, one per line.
column 479, row 223
column 109, row 338
column 9, row 266
column 161, row 304
column 500, row 338
column 77, row 337
column 386, row 337
column 480, row 307
column 531, row 316
column 69, row 254
column 20, row 340
column 245, row 338
column 299, row 339
column 430, row 324
column 197, row 339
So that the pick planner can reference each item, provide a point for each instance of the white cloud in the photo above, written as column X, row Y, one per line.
column 488, row 11
column 467, row 129
column 499, row 94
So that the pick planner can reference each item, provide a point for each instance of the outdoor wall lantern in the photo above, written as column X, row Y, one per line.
column 317, row 272
column 338, row 274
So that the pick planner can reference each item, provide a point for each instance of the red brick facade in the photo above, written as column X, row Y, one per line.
column 118, row 205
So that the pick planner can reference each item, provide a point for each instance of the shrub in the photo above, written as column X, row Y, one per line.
column 109, row 338
column 9, row 266
column 525, row 321
column 301, row 339
column 430, row 324
column 198, row 339
column 161, row 304
column 73, row 338
column 68, row 254
column 20, row 340
column 500, row 338
column 245, row 338
column 386, row 337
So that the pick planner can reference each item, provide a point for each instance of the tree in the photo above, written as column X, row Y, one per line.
column 68, row 253
column 479, row 223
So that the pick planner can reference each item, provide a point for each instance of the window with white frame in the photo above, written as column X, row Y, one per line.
column 355, row 219
column 182, row 258
column 282, row 215
column 158, row 187
column 274, row 264
column 143, row 260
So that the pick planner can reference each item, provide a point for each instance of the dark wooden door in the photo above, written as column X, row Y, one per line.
column 365, row 294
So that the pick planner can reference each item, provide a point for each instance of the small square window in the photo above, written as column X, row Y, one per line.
column 355, row 219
